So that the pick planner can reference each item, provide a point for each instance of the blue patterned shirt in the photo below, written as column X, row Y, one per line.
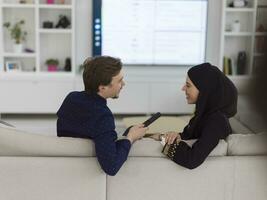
column 87, row 116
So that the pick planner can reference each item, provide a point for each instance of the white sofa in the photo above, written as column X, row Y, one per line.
column 46, row 167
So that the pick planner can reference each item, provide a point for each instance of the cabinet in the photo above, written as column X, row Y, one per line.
column 243, row 34
column 42, row 42
column 33, row 94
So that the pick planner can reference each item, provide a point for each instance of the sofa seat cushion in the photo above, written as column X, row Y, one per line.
column 162, row 124
column 249, row 144
column 14, row 142
column 248, row 116
column 238, row 127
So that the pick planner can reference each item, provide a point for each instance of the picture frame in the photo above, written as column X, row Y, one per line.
column 13, row 66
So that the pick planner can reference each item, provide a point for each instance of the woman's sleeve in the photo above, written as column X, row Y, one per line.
column 192, row 157
column 186, row 135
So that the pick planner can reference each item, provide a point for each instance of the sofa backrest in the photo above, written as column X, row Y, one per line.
column 14, row 142
column 247, row 145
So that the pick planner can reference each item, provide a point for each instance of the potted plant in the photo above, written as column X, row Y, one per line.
column 50, row 1
column 17, row 34
column 52, row 64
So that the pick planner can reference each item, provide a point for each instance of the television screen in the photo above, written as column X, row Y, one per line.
column 151, row 32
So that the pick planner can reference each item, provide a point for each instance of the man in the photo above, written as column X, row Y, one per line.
column 86, row 115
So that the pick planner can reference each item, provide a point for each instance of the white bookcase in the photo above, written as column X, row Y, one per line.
column 34, row 88
column 46, row 43
column 247, row 39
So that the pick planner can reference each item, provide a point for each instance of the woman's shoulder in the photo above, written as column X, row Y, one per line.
column 219, row 120
column 218, row 115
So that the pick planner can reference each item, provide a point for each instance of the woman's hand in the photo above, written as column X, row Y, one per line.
column 171, row 136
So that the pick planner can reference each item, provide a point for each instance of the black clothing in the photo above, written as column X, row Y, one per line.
column 217, row 101
column 208, row 133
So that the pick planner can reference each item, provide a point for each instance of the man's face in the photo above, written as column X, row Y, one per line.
column 113, row 89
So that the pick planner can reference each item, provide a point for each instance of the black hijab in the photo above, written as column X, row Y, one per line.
column 216, row 92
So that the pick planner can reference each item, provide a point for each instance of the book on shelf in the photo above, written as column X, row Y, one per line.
column 229, row 67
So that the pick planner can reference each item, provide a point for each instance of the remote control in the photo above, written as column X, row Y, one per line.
column 146, row 123
column 152, row 119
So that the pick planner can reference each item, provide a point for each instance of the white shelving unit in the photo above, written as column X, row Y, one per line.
column 34, row 89
column 245, row 40
column 55, row 43
column 233, row 42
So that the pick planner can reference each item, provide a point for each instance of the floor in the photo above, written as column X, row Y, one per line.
column 43, row 124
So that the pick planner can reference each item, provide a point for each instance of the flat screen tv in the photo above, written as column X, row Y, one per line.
column 151, row 32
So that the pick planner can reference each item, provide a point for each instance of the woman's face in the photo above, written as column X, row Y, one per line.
column 191, row 91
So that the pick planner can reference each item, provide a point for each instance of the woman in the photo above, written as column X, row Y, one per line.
column 215, row 97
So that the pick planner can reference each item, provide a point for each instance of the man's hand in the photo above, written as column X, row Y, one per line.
column 136, row 132
column 171, row 136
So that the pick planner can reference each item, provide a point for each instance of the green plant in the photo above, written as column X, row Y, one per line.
column 16, row 31
column 51, row 61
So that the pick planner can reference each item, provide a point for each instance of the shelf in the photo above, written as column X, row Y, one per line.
column 261, row 33
column 262, row 6
column 55, row 6
column 56, row 73
column 259, row 54
column 237, row 77
column 238, row 33
column 19, row 55
column 18, row 6
column 55, row 31
column 35, row 76
column 239, row 9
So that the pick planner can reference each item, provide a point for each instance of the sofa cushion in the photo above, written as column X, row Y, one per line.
column 250, row 144
column 14, row 142
column 247, row 115
column 150, row 148
column 238, row 127
column 159, row 178
column 162, row 124
column 250, row 177
column 48, row 178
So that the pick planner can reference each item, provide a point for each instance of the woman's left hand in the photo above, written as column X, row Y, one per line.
column 171, row 136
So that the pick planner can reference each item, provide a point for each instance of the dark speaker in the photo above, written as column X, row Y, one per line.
column 47, row 24
column 241, row 62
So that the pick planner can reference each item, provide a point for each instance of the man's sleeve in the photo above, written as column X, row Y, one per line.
column 111, row 153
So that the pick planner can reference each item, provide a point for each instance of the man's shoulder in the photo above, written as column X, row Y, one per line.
column 75, row 94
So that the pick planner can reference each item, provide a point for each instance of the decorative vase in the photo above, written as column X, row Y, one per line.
column 52, row 68
column 18, row 48
column 50, row 1
column 236, row 26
